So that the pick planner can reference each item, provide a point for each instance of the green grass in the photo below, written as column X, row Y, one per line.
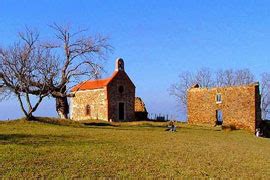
column 138, row 149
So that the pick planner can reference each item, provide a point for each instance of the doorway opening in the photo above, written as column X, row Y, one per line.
column 219, row 117
column 121, row 113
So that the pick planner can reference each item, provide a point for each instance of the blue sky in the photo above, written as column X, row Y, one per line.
column 157, row 39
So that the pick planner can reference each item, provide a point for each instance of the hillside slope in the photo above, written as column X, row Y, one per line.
column 34, row 149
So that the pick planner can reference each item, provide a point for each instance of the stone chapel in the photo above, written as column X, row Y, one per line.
column 110, row 99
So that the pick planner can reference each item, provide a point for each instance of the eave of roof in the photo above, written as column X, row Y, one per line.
column 93, row 84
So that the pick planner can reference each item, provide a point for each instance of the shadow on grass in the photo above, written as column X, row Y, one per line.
column 45, row 140
column 28, row 139
column 13, row 136
column 57, row 121
column 125, row 127
column 202, row 128
column 98, row 124
column 121, row 126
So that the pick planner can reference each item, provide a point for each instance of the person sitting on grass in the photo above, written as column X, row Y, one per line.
column 171, row 127
column 258, row 132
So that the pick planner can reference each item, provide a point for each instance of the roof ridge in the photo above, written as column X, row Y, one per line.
column 94, row 84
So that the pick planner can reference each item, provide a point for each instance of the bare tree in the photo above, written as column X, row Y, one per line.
column 204, row 77
column 224, row 78
column 80, row 57
column 231, row 77
column 26, row 69
column 41, row 69
column 4, row 93
column 179, row 89
column 244, row 77
column 186, row 79
column 265, row 95
column 2, row 87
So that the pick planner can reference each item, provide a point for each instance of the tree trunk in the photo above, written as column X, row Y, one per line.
column 29, row 115
column 62, row 107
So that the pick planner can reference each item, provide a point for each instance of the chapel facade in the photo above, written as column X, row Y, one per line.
column 110, row 99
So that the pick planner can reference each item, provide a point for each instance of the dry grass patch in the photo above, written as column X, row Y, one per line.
column 138, row 149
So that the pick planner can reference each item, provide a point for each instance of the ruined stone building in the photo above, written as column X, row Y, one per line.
column 140, row 110
column 237, row 106
column 111, row 99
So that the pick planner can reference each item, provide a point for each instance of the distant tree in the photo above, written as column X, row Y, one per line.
column 22, row 66
column 232, row 77
column 204, row 77
column 186, row 80
column 224, row 78
column 179, row 89
column 265, row 95
column 244, row 77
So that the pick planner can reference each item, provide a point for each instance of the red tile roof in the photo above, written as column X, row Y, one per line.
column 93, row 84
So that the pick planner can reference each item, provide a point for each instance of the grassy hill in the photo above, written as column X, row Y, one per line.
column 70, row 149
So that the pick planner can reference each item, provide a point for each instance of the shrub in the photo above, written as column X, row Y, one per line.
column 229, row 127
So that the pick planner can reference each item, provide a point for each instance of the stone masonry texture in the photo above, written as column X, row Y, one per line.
column 127, row 97
column 101, row 99
column 240, row 106
column 140, row 110
column 96, row 99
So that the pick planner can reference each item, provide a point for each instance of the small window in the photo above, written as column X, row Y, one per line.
column 218, row 98
column 120, row 89
column 88, row 110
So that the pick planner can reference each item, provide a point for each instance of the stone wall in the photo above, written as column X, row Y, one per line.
column 240, row 106
column 140, row 110
column 96, row 99
column 139, row 105
column 127, row 97
column 111, row 99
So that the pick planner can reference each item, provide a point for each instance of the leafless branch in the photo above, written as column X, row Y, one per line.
column 205, row 78
column 81, row 57
column 31, row 67
column 25, row 69
column 265, row 95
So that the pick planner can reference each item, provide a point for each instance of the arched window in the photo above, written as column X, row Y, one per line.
column 87, row 110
